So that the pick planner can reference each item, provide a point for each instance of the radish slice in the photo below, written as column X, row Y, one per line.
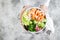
column 37, row 28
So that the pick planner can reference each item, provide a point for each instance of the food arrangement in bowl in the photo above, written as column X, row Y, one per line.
column 33, row 19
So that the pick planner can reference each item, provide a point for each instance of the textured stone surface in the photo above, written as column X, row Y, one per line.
column 10, row 28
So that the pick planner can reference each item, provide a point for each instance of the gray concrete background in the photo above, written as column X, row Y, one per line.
column 10, row 28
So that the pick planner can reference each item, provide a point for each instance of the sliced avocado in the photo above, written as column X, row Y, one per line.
column 25, row 19
column 41, row 24
column 30, row 22
column 35, row 22
column 25, row 13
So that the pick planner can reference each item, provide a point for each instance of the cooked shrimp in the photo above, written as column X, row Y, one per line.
column 36, row 14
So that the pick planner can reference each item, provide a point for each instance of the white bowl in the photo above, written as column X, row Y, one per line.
column 47, row 17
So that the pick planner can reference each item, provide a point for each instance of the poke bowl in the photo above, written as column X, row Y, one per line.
column 33, row 19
